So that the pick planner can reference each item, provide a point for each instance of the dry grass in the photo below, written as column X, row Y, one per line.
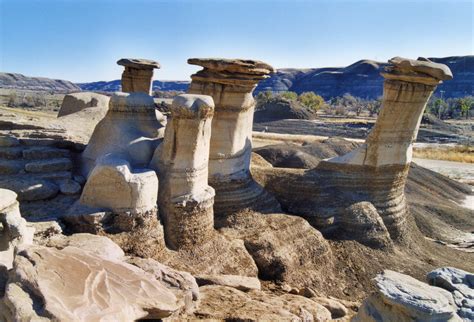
column 462, row 153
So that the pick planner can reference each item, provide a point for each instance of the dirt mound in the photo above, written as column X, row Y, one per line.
column 279, row 109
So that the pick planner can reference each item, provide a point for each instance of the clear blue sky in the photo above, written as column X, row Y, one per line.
column 81, row 40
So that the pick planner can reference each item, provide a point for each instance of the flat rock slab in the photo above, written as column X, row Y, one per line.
column 45, row 153
column 138, row 63
column 77, row 285
column 60, row 164
column 30, row 189
column 242, row 283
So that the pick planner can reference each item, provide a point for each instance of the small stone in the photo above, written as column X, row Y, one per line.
column 9, row 141
column 69, row 187
column 61, row 164
column 337, row 309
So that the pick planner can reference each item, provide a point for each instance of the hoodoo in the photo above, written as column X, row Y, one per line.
column 375, row 172
column 138, row 74
column 231, row 82
column 181, row 161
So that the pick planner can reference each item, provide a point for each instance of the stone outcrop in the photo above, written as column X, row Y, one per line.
column 14, row 230
column 376, row 171
column 230, row 82
column 76, row 102
column 73, row 284
column 185, row 199
column 242, row 283
column 226, row 303
column 461, row 285
column 129, row 130
column 402, row 298
column 137, row 75
column 33, row 171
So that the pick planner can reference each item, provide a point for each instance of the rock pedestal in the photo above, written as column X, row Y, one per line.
column 130, row 129
column 138, row 74
column 185, row 199
column 377, row 170
column 231, row 82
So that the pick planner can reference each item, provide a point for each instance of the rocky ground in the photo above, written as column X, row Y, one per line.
column 272, row 267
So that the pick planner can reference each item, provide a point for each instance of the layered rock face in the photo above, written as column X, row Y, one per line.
column 185, row 198
column 231, row 83
column 376, row 171
column 138, row 74
column 130, row 129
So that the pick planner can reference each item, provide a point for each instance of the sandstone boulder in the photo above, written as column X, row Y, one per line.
column 69, row 187
column 76, row 102
column 114, row 185
column 362, row 222
column 75, row 285
column 285, row 248
column 461, row 285
column 402, row 298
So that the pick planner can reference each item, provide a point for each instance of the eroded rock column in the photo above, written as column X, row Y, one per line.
column 181, row 161
column 377, row 170
column 138, row 74
column 231, row 82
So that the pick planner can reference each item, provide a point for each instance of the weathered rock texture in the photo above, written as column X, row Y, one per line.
column 185, row 198
column 76, row 102
column 461, row 285
column 402, row 298
column 376, row 171
column 72, row 284
column 137, row 75
column 230, row 83
column 14, row 230
column 130, row 129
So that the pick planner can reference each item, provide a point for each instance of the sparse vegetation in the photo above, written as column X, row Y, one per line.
column 450, row 108
column 461, row 153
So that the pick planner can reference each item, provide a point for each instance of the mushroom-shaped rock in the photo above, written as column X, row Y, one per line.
column 138, row 74
column 185, row 199
column 231, row 82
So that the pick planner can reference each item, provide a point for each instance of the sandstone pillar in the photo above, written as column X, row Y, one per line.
column 185, row 198
column 376, row 171
column 231, row 82
column 138, row 74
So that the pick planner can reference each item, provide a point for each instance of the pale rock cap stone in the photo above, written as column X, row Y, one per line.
column 421, row 71
column 192, row 106
column 138, row 63
column 133, row 102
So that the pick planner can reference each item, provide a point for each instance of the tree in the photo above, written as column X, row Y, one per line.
column 311, row 100
column 291, row 96
column 374, row 106
column 465, row 105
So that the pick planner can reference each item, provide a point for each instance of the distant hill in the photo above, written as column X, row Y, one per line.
column 114, row 86
column 362, row 79
column 19, row 81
